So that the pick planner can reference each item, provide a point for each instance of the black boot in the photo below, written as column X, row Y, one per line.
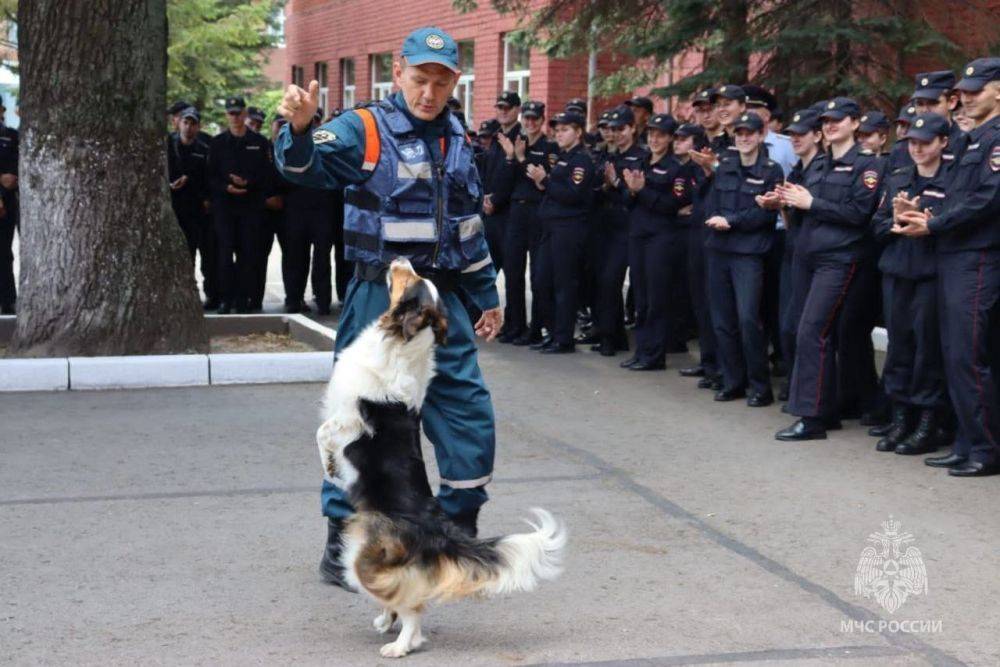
column 330, row 568
column 466, row 522
column 901, row 421
column 924, row 438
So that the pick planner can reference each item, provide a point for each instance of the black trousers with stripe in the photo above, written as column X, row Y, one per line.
column 821, row 286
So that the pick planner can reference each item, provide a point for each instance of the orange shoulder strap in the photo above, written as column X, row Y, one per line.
column 373, row 144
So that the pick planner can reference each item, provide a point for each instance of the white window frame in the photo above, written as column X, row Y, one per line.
column 380, row 89
column 298, row 75
column 348, row 90
column 321, row 71
column 517, row 80
column 464, row 88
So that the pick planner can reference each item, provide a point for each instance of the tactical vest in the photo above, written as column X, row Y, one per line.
column 409, row 206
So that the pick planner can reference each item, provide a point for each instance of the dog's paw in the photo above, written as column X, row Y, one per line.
column 383, row 622
column 394, row 650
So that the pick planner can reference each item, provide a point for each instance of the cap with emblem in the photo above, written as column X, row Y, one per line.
column 926, row 126
column 978, row 73
column 641, row 102
column 906, row 114
column 664, row 122
column 749, row 121
column 690, row 130
column 191, row 112
column 703, row 97
column 576, row 104
column 431, row 45
column 818, row 107
column 489, row 127
column 604, row 118
column 177, row 107
column 255, row 113
column 508, row 98
column 621, row 116
column 840, row 107
column 932, row 85
column 803, row 121
column 730, row 92
column 571, row 117
column 532, row 109
column 758, row 97
column 873, row 121
column 235, row 104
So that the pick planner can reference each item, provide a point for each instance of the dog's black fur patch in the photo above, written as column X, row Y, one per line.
column 392, row 480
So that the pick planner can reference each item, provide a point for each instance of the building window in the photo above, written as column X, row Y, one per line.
column 381, row 76
column 516, row 67
column 324, row 90
column 463, row 91
column 347, row 99
column 298, row 76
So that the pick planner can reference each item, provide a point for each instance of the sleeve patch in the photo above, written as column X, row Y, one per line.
column 323, row 137
column 578, row 174
column 870, row 179
column 678, row 187
column 995, row 159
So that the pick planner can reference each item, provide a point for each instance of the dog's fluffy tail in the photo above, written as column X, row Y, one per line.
column 525, row 559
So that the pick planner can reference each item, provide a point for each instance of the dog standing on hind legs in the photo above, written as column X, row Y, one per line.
column 400, row 547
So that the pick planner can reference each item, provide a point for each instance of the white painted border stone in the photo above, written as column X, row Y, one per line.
column 34, row 374
column 168, row 370
column 261, row 368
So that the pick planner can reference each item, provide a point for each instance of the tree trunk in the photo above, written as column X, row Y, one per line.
column 104, row 268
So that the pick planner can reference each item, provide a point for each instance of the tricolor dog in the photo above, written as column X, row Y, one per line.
column 400, row 547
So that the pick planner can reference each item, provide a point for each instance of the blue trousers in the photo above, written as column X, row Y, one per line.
column 457, row 414
column 969, row 303
column 736, row 286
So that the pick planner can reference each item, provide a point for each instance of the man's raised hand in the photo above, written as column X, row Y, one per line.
column 298, row 106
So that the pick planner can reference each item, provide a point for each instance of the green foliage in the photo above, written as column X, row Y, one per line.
column 804, row 50
column 215, row 50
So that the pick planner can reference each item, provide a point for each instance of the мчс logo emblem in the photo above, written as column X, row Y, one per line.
column 887, row 572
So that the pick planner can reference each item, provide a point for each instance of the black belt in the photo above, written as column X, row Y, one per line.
column 362, row 199
column 444, row 280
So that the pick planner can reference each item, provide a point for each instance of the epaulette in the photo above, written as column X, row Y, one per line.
column 866, row 151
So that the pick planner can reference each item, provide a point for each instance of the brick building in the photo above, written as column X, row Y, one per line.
column 348, row 46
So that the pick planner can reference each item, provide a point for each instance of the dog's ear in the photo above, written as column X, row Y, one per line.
column 439, row 325
column 412, row 320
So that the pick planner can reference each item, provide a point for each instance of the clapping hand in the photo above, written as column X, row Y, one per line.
column 794, row 195
column 912, row 223
column 506, row 144
column 718, row 223
column 769, row 200
column 635, row 180
column 520, row 146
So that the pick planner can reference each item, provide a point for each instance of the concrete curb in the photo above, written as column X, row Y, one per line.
column 182, row 370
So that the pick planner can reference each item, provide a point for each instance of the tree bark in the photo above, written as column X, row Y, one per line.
column 104, row 268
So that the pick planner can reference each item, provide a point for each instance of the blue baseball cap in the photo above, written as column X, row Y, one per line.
column 431, row 45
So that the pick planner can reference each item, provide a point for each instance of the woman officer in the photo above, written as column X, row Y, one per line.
column 569, row 192
column 656, row 190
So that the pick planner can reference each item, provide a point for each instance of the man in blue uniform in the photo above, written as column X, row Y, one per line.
column 967, row 244
column 411, row 189
column 934, row 92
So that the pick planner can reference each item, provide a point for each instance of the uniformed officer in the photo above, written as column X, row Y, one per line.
column 613, row 233
column 577, row 104
column 496, row 184
column 174, row 114
column 658, row 188
column 524, row 228
column 187, row 173
column 308, row 232
column 730, row 103
column 569, row 192
column 805, row 132
column 239, row 174
column 484, row 139
column 689, row 139
column 899, row 156
column 381, row 154
column 255, row 119
column 703, row 109
column 913, row 372
column 642, row 109
column 10, row 213
column 741, row 236
column 873, row 132
column 837, row 211
column 934, row 92
column 967, row 237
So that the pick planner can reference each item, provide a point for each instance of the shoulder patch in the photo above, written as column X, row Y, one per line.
column 678, row 187
column 323, row 137
column 995, row 159
column 578, row 174
column 870, row 179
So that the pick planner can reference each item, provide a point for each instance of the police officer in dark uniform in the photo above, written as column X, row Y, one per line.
column 523, row 232
column 934, row 92
column 967, row 237
column 899, row 156
column 873, row 132
column 805, row 131
column 837, row 211
column 658, row 188
column 729, row 102
column 10, row 213
column 308, row 226
column 913, row 372
column 742, row 233
column 569, row 192
column 496, row 184
column 187, row 172
column 613, row 234
column 239, row 171
column 255, row 119
column 642, row 109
